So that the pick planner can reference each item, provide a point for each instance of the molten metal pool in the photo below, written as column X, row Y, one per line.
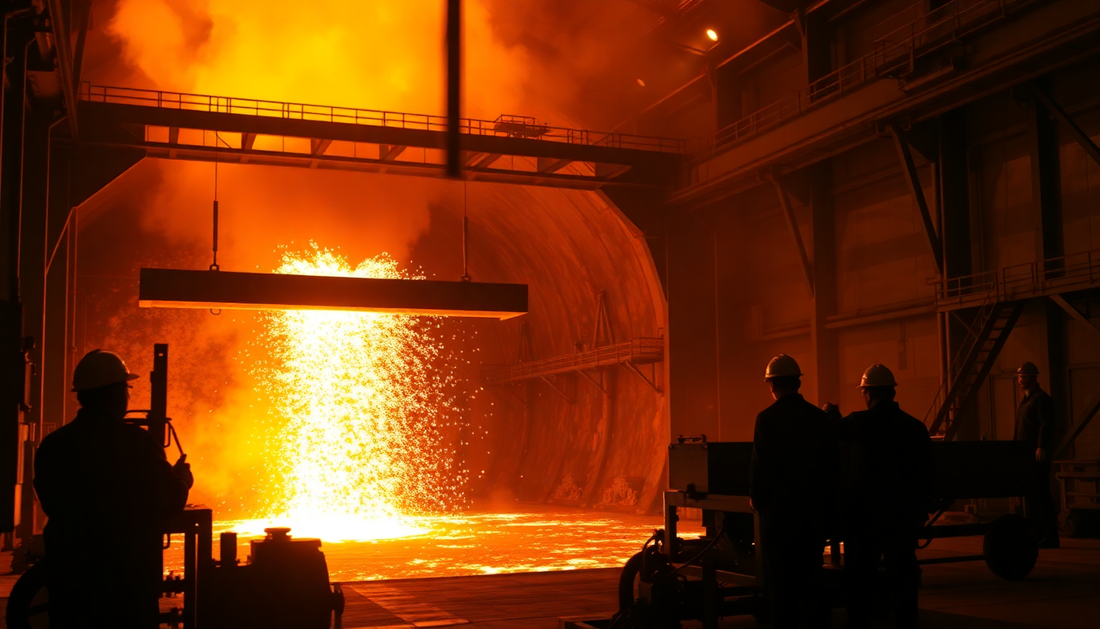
column 536, row 539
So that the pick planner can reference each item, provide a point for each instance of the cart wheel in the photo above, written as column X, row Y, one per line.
column 28, row 603
column 628, row 581
column 1010, row 549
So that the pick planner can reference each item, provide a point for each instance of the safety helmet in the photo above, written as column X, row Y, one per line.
column 99, row 369
column 877, row 375
column 782, row 366
column 1028, row 368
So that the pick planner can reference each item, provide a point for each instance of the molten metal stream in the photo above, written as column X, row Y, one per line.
column 358, row 406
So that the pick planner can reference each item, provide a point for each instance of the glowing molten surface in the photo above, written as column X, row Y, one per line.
column 530, row 538
column 357, row 407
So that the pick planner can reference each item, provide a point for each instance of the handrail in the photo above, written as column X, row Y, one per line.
column 504, row 126
column 1021, row 280
column 639, row 351
column 958, row 15
column 973, row 333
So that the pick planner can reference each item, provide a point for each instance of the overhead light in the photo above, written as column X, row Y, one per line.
column 223, row 290
column 712, row 34
column 641, row 82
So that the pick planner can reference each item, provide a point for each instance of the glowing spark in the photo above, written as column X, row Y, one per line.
column 356, row 443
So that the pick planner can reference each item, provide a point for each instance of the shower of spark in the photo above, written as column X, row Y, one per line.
column 359, row 407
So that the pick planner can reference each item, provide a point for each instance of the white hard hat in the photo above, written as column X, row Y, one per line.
column 877, row 375
column 99, row 369
column 782, row 366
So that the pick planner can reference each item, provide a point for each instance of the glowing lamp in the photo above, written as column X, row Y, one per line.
column 224, row 290
column 712, row 34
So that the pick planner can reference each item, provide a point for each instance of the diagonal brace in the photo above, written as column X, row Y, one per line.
column 792, row 222
column 905, row 156
column 1081, row 424
column 652, row 382
column 594, row 381
column 1075, row 313
column 551, row 384
column 1078, row 134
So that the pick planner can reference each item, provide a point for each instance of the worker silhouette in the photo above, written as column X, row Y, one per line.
column 885, row 498
column 1035, row 426
column 791, row 480
column 106, row 487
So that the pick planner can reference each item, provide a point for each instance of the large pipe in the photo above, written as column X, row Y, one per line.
column 454, row 87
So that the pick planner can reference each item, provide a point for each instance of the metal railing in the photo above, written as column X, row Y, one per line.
column 1021, row 281
column 943, row 24
column 969, row 342
column 638, row 351
column 504, row 126
column 908, row 42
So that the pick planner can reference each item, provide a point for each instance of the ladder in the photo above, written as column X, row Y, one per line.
column 985, row 338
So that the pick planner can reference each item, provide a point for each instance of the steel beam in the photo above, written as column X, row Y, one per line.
column 548, row 165
column 102, row 119
column 454, row 87
column 318, row 147
column 1075, row 313
column 1054, row 35
column 64, row 53
column 1078, row 134
column 905, row 156
column 172, row 288
column 1082, row 423
column 792, row 223
column 389, row 152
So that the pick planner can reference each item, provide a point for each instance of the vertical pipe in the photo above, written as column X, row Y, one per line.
column 717, row 340
column 454, row 85
column 942, row 329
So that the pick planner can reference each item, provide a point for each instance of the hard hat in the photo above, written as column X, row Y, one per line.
column 782, row 366
column 1028, row 368
column 99, row 369
column 877, row 375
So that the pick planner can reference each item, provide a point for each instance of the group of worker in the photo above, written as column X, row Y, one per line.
column 865, row 478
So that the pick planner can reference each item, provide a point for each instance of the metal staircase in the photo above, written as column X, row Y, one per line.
column 999, row 298
column 985, row 338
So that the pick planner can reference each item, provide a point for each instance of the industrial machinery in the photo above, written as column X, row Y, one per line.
column 283, row 584
column 720, row 574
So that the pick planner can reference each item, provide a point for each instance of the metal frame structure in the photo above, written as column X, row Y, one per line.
column 509, row 149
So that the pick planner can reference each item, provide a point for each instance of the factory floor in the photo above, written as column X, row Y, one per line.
column 1063, row 591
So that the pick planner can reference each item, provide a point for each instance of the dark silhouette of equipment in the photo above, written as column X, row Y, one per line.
column 721, row 574
column 284, row 583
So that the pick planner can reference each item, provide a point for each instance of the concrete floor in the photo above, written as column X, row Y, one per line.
column 1063, row 591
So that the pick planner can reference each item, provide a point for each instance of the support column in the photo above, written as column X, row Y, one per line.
column 32, row 286
column 694, row 400
column 55, row 388
column 1046, row 190
column 953, row 178
column 1046, row 195
column 825, row 377
column 11, row 324
column 817, row 45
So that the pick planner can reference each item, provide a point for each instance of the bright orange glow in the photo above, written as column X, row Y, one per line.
column 357, row 409
column 712, row 34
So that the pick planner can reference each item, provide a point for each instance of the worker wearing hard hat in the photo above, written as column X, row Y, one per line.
column 1035, row 426
column 886, row 498
column 105, row 486
column 792, row 461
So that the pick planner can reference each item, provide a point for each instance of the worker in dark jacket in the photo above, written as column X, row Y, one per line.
column 791, row 467
column 106, row 487
column 1035, row 426
column 886, row 498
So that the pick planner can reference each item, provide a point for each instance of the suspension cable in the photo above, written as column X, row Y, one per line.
column 465, row 236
